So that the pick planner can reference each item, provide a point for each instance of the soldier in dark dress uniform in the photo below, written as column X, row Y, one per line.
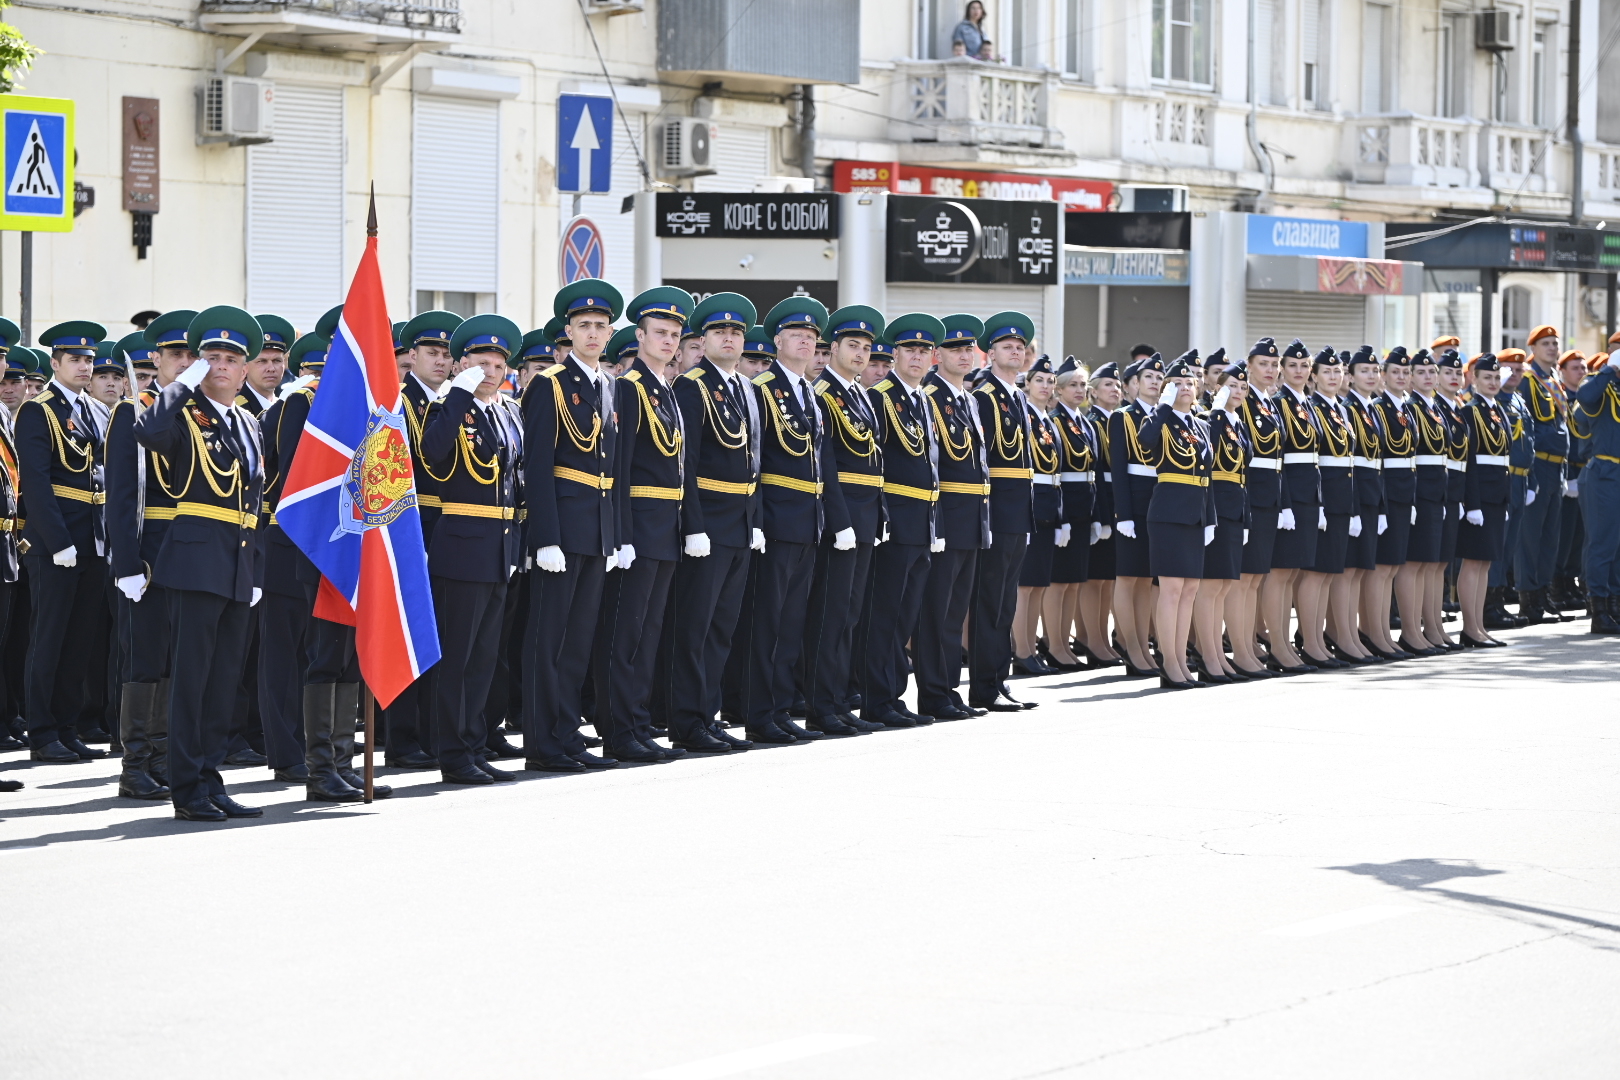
column 1046, row 465
column 1400, row 512
column 1106, row 394
column 1223, row 556
column 1424, row 570
column 209, row 558
column 1448, row 399
column 1327, row 600
column 1264, row 490
column 1135, row 469
column 1546, row 410
column 570, row 441
column 1482, row 535
column 1077, row 443
column 1598, row 410
column 10, row 559
column 1367, row 460
column 840, row 586
column 718, row 415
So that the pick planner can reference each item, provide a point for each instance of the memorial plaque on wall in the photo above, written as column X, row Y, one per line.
column 973, row 241
column 141, row 173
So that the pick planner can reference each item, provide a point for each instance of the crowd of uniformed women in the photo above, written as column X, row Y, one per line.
column 705, row 530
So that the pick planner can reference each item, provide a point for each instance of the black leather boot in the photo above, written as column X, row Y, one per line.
column 157, row 735
column 1530, row 606
column 134, row 723
column 345, row 713
column 1605, row 610
column 325, row 785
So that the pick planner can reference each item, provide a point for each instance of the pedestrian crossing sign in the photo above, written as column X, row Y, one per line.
column 38, row 163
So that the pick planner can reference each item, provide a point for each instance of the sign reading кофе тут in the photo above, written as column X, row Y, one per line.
column 977, row 242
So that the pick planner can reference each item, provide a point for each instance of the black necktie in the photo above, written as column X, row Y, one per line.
column 87, row 421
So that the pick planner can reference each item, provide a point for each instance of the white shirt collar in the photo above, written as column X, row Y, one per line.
column 1299, row 395
column 71, row 396
column 849, row 387
column 426, row 389
column 264, row 402
column 220, row 410
column 1363, row 398
column 1012, row 391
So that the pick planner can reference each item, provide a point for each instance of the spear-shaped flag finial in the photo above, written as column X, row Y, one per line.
column 371, row 213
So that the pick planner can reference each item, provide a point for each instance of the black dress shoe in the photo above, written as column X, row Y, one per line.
column 296, row 774
column 665, row 753
column 892, row 719
column 832, row 727
column 562, row 764
column 735, row 742
column 973, row 709
column 1002, row 703
column 94, row 734
column 500, row 776
column 951, row 712
column 501, row 750
column 595, row 761
column 858, row 723
column 803, row 735
column 1330, row 664
column 201, row 808
column 1030, row 666
column 1208, row 679
column 772, row 735
column 1006, row 693
column 7, row 743
column 636, row 752
column 139, row 785
column 1419, row 650
column 246, row 756
column 920, row 719
column 1167, row 683
column 54, row 753
column 416, row 759
column 88, row 753
column 17, row 785
column 1475, row 643
column 472, row 776
column 700, row 742
column 592, row 742
column 234, row 809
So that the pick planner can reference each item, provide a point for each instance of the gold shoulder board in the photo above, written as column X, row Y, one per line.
column 553, row 370
column 884, row 385
column 764, row 377
column 696, row 375
column 633, row 376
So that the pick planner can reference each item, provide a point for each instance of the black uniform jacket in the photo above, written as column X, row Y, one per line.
column 1367, row 451
column 570, row 458
column 1078, row 440
column 796, row 464
column 1301, row 480
column 1186, row 460
column 285, row 569
column 1004, row 422
column 652, row 452
column 1133, row 492
column 1102, row 508
column 1489, row 432
column 963, row 515
column 856, row 453
column 910, row 480
column 415, row 399
column 62, row 496
column 1264, row 427
column 9, row 506
column 1337, row 441
column 722, row 463
column 477, row 537
column 1046, row 460
column 1429, row 433
column 1400, row 444
column 138, row 515
column 1229, row 447
column 218, row 484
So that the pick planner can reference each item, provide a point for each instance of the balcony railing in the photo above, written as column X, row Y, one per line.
column 1518, row 159
column 1405, row 149
column 440, row 15
column 972, row 103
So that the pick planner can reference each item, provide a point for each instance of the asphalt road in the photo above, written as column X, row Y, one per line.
column 1406, row 871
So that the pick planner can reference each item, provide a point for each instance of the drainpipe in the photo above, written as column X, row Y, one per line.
column 807, row 130
column 1577, row 205
column 1261, row 154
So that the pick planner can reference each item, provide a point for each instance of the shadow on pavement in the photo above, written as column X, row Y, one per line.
column 1422, row 875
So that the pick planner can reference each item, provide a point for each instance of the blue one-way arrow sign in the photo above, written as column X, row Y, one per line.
column 584, row 143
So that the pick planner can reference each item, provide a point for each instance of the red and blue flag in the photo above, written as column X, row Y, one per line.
column 349, row 501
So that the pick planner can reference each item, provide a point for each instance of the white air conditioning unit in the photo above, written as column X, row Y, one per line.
column 688, row 148
column 1151, row 199
column 613, row 7
column 231, row 109
column 785, row 185
column 1493, row 30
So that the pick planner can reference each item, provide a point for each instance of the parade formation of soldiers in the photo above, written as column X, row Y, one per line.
column 707, row 531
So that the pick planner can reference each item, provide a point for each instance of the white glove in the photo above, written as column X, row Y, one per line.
column 1107, row 531
column 258, row 594
column 1245, row 537
column 1563, row 486
column 1383, row 523
column 1167, row 396
column 195, row 374
column 1414, row 515
column 1222, row 396
column 133, row 586
column 627, row 555
column 1096, row 532
column 68, row 556
column 938, row 545
column 1062, row 538
column 551, row 558
column 1475, row 517
column 1209, row 535
column 296, row 385
column 1529, row 496
column 1285, row 520
column 1572, row 490
column 469, row 380
column 844, row 540
column 1321, row 519
column 883, row 534
column 697, row 545
column 1355, row 525
column 759, row 540
column 1127, row 529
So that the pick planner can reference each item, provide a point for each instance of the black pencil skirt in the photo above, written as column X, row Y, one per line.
column 1427, row 532
column 1176, row 550
column 1486, row 542
column 1296, row 548
column 1036, row 570
column 1393, row 544
column 1361, row 552
column 1332, row 545
column 1223, row 559
column 1262, row 540
column 1100, row 562
column 1070, row 564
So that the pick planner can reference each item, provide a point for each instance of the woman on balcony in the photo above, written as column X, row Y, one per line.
column 969, row 33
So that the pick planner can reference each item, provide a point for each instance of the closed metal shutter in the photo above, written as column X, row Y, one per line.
column 980, row 300
column 1316, row 319
column 455, row 195
column 618, row 229
column 295, row 208
column 741, row 156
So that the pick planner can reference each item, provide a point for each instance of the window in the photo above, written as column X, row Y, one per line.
column 1515, row 316
column 455, row 197
column 1544, row 75
column 1377, row 63
column 1024, row 34
column 1456, row 59
column 1311, row 91
column 1181, row 34
column 1076, row 46
column 1266, row 24
column 935, row 21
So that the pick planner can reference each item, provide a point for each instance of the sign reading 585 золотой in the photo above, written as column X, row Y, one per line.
column 37, row 139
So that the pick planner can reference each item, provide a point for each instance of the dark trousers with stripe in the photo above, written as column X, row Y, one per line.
column 705, row 603
column 505, row 701
column 627, row 643
column 209, row 647
column 68, row 605
column 994, row 601
column 899, row 574
column 284, row 626
column 1539, row 524
column 936, row 647
column 469, row 615
column 562, row 628
column 759, row 685
column 836, row 599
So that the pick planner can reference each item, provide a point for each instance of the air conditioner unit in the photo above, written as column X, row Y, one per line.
column 688, row 147
column 231, row 109
column 1493, row 30
column 1151, row 199
column 613, row 7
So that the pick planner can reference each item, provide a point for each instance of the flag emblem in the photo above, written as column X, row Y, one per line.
column 378, row 486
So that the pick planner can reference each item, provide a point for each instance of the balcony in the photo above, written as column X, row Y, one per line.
column 966, row 111
column 1409, row 150
column 371, row 25
column 1518, row 160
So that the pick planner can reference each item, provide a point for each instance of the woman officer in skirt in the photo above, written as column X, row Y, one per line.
column 1420, row 631
column 1323, row 597
column 1481, row 536
column 1301, row 518
column 1223, row 557
column 1077, row 441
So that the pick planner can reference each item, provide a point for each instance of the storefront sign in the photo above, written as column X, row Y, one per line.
column 1124, row 266
column 1306, row 236
column 746, row 216
column 1369, row 277
column 986, row 242
column 1072, row 193
column 1511, row 247
column 1165, row 229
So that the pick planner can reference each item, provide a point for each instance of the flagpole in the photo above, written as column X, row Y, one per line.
column 371, row 702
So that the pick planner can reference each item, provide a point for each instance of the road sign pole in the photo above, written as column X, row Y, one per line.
column 27, row 290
